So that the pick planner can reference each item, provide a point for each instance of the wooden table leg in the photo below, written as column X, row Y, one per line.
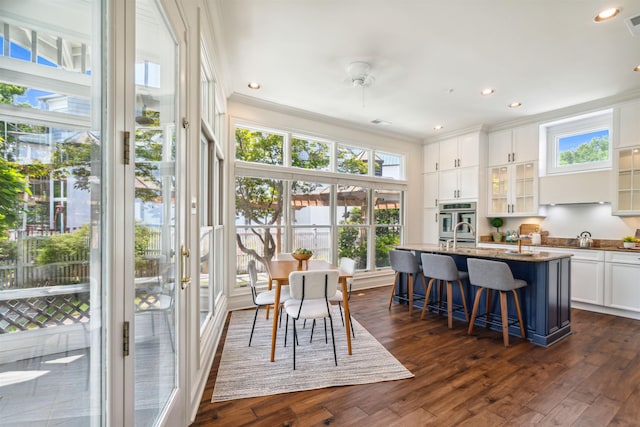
column 274, row 331
column 347, row 315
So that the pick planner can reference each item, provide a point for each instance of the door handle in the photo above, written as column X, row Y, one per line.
column 185, row 281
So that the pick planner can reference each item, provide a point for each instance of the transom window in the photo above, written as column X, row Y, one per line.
column 579, row 144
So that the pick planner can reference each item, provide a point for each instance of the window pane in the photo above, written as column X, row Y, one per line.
column 385, row 236
column 310, row 203
column 352, row 243
column 352, row 205
column 257, row 243
column 389, row 165
column 259, row 147
column 318, row 239
column 309, row 154
column 259, row 201
column 589, row 147
column 352, row 160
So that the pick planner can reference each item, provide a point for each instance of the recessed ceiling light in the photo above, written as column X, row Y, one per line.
column 254, row 85
column 606, row 14
column 637, row 68
column 438, row 127
column 487, row 91
column 515, row 105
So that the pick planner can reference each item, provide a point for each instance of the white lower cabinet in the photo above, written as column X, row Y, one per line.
column 622, row 281
column 587, row 274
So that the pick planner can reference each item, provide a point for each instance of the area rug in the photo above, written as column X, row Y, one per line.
column 247, row 372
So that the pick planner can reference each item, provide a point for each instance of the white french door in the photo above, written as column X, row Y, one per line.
column 154, row 250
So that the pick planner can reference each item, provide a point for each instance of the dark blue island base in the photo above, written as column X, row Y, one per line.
column 545, row 301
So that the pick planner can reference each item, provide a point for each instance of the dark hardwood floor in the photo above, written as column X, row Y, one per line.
column 591, row 378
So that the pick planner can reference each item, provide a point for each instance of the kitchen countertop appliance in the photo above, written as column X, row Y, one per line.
column 585, row 240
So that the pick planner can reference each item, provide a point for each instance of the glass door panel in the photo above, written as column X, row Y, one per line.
column 52, row 360
column 155, row 236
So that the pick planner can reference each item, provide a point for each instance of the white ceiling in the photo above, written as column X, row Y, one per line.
column 430, row 58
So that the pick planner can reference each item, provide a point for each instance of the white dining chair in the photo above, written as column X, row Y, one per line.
column 264, row 298
column 310, row 291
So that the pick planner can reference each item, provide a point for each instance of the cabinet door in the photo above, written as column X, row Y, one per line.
column 524, row 188
column 430, row 226
column 448, row 154
column 499, row 147
column 628, row 181
column 448, row 185
column 431, row 190
column 499, row 190
column 525, row 144
column 629, row 125
column 622, row 288
column 468, row 183
column 587, row 281
column 431, row 157
column 469, row 150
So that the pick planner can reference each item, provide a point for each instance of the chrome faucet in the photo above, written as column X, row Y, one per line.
column 455, row 232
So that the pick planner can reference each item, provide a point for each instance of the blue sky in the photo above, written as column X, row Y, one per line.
column 31, row 95
column 571, row 142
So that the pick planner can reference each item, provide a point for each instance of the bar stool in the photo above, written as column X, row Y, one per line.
column 443, row 269
column 490, row 275
column 407, row 263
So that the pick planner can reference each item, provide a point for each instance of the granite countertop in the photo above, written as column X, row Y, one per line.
column 566, row 243
column 505, row 254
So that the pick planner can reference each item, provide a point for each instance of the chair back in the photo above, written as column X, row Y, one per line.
column 284, row 256
column 403, row 262
column 491, row 274
column 348, row 265
column 314, row 284
column 253, row 278
column 440, row 267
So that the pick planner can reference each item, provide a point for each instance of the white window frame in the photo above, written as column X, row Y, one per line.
column 552, row 132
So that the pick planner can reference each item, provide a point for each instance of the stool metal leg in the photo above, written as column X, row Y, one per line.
column 489, row 296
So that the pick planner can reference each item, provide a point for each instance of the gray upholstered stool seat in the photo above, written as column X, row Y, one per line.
column 407, row 263
column 495, row 275
column 443, row 269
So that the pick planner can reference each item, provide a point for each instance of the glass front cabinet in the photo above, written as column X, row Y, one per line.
column 513, row 190
column 628, row 181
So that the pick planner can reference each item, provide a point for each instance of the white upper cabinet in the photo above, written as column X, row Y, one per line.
column 514, row 145
column 431, row 157
column 629, row 125
column 513, row 190
column 460, row 152
column 460, row 183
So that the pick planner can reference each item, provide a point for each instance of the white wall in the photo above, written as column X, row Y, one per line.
column 567, row 221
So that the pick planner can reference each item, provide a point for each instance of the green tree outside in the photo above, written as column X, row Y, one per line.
column 596, row 150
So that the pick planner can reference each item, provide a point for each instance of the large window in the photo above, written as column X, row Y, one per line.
column 286, row 207
column 579, row 144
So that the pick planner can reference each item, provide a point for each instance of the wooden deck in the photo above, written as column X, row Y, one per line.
column 591, row 378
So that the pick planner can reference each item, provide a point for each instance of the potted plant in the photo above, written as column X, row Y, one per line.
column 497, row 223
column 629, row 242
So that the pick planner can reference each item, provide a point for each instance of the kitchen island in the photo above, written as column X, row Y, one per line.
column 545, row 301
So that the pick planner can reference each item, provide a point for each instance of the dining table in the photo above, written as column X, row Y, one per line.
column 279, row 273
